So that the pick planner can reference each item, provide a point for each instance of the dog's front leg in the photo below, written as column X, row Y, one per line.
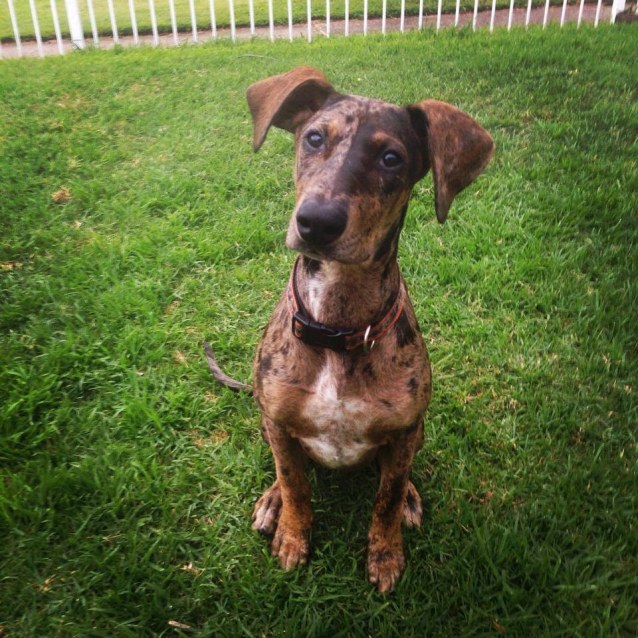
column 385, row 550
column 288, row 499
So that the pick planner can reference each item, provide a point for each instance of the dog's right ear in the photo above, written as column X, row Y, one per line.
column 286, row 100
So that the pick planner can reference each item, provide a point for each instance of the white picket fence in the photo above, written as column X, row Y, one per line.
column 312, row 26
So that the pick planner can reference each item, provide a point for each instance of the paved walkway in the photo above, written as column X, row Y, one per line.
column 337, row 27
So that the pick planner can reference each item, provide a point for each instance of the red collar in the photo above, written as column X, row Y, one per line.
column 319, row 335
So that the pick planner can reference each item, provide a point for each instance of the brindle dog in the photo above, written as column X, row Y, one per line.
column 342, row 374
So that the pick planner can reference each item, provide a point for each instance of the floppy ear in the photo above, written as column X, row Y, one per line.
column 457, row 149
column 286, row 100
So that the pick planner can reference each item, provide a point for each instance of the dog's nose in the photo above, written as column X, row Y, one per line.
column 321, row 223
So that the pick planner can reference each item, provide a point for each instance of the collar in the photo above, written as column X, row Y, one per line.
column 319, row 335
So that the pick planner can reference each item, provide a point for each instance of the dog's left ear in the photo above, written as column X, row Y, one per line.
column 456, row 148
column 286, row 100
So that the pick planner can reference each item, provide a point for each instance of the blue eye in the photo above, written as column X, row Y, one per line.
column 314, row 139
column 391, row 159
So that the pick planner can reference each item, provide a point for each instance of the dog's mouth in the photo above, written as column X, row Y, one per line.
column 340, row 251
column 300, row 246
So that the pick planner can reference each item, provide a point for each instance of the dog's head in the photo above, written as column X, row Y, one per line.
column 358, row 159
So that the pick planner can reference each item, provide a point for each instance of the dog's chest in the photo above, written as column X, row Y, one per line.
column 339, row 424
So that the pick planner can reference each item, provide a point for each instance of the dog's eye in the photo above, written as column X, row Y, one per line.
column 391, row 159
column 314, row 139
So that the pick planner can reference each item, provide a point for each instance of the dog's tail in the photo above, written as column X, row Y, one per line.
column 220, row 375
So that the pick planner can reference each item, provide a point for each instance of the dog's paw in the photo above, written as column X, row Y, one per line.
column 413, row 508
column 291, row 548
column 385, row 566
column 266, row 512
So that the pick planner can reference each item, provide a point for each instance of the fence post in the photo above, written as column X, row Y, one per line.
column 616, row 8
column 36, row 27
column 114, row 32
column 96, row 38
column 231, row 15
column 131, row 10
column 14, row 26
column 193, row 20
column 75, row 23
column 346, row 17
column 171, row 10
column 56, row 27
column 271, row 21
column 151, row 8
column 289, row 6
column 251, row 16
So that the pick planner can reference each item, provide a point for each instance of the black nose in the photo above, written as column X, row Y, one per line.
column 321, row 223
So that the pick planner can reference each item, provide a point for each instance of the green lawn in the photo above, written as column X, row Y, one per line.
column 128, row 477
column 203, row 17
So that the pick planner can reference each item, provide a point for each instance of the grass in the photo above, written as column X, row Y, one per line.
column 203, row 17
column 137, row 221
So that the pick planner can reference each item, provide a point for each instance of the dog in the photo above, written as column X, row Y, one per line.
column 342, row 375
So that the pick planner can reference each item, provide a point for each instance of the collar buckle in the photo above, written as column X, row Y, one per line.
column 367, row 344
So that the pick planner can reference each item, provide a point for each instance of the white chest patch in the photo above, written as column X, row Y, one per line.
column 341, row 425
column 315, row 294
